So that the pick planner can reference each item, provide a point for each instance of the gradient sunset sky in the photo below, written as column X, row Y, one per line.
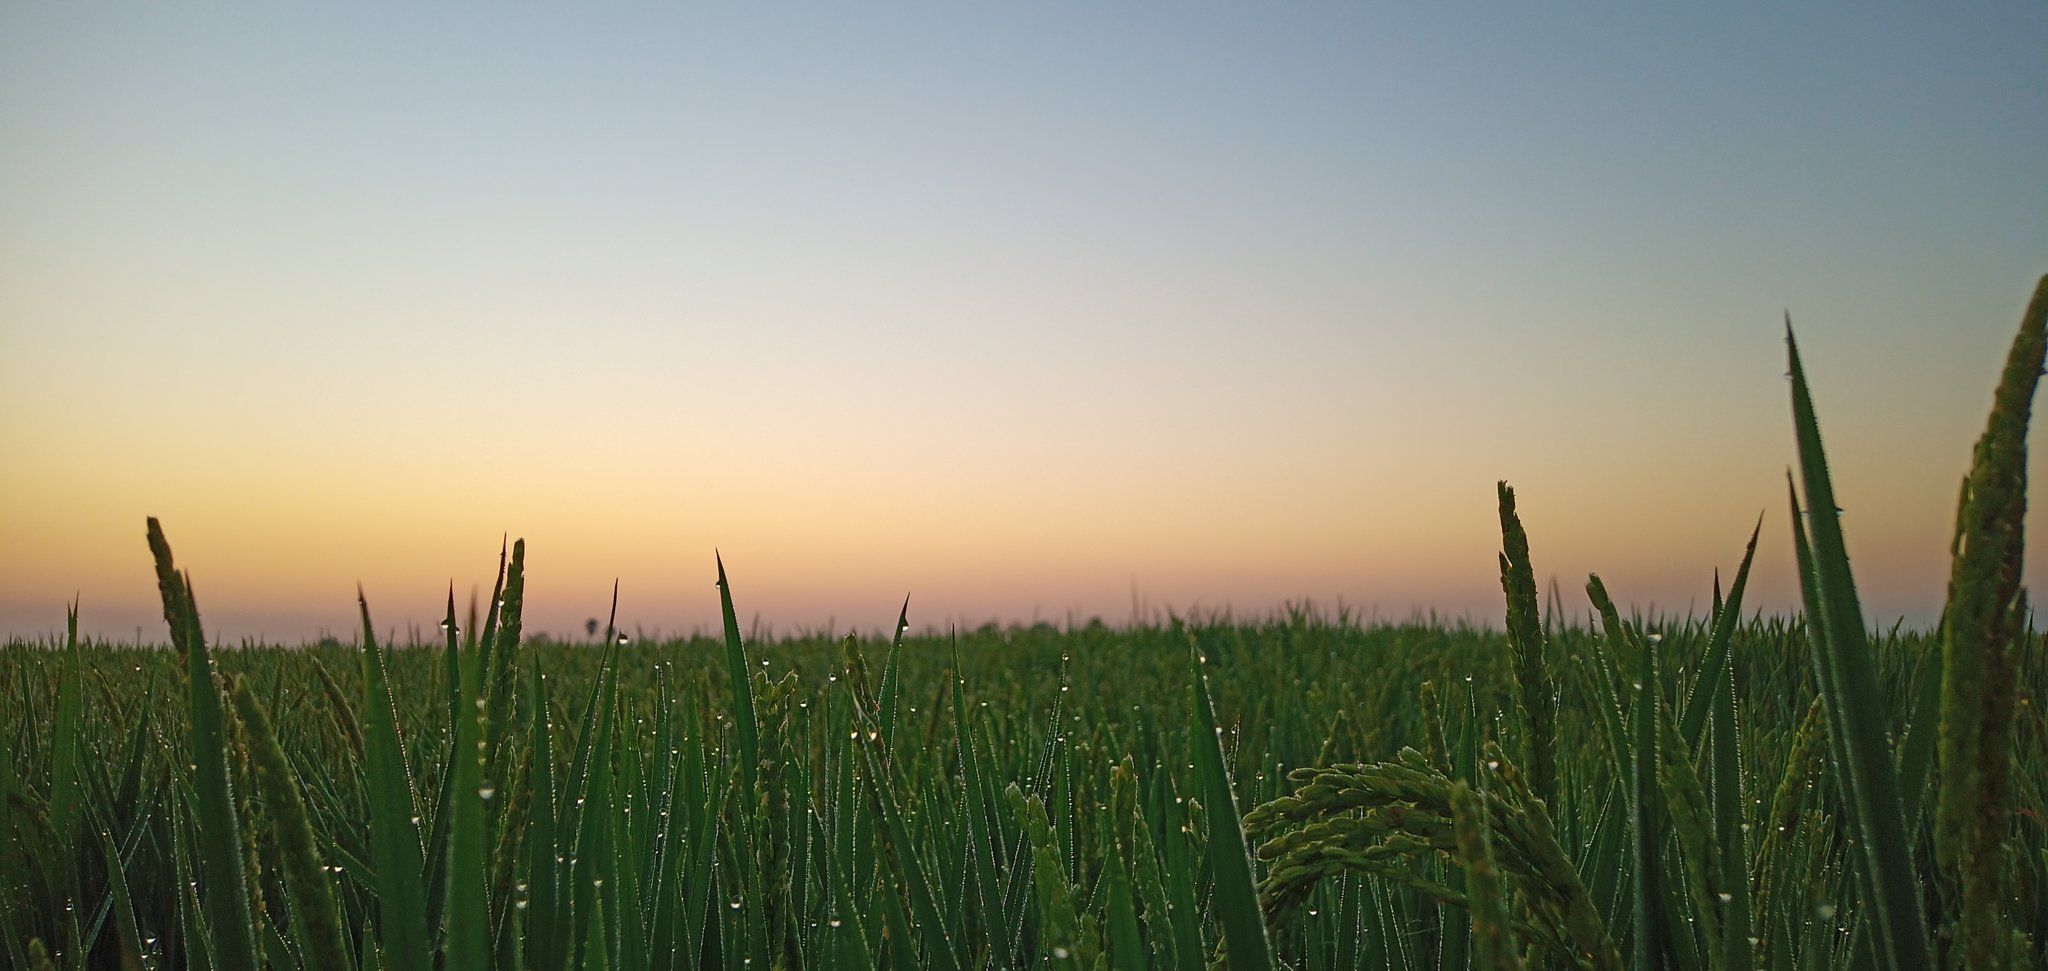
column 1018, row 308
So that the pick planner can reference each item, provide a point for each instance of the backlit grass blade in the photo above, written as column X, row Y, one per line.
column 980, row 840
column 747, row 729
column 1730, row 831
column 224, row 896
column 488, row 640
column 1708, row 683
column 66, row 754
column 1895, row 911
column 1534, row 693
column 843, row 925
column 322, row 947
column 192, row 937
column 1135, row 874
column 125, row 931
column 1686, row 808
column 698, row 888
column 398, row 862
column 891, row 693
column 1917, row 748
column 452, row 663
column 1983, row 625
column 543, row 943
column 1649, row 944
column 1860, row 864
column 1236, row 902
column 592, row 800
column 1605, row 674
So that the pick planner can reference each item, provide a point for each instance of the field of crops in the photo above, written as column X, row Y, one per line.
column 1583, row 788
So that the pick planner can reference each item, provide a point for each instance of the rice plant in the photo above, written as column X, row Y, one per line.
column 1302, row 790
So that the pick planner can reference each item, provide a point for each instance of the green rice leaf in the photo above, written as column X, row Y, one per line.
column 747, row 728
column 1862, row 743
column 1236, row 901
column 399, row 865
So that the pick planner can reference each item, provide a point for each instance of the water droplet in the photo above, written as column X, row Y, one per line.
column 486, row 791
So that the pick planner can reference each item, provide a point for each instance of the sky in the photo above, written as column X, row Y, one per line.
column 1033, row 311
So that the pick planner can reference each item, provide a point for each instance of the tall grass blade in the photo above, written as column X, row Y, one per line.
column 543, row 943
column 891, row 693
column 1649, row 945
column 1708, row 683
column 1730, row 830
column 980, row 838
column 67, row 755
column 747, row 729
column 1897, row 916
column 1236, row 900
column 397, row 860
column 592, row 816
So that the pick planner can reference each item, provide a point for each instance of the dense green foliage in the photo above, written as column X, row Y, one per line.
column 1055, row 712
column 1589, row 789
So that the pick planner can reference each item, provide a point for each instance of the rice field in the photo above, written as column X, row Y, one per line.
column 1578, row 786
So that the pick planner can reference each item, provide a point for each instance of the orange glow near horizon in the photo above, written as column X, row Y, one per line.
column 1028, row 313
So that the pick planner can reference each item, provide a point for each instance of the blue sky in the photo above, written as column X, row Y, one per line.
column 1018, row 307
